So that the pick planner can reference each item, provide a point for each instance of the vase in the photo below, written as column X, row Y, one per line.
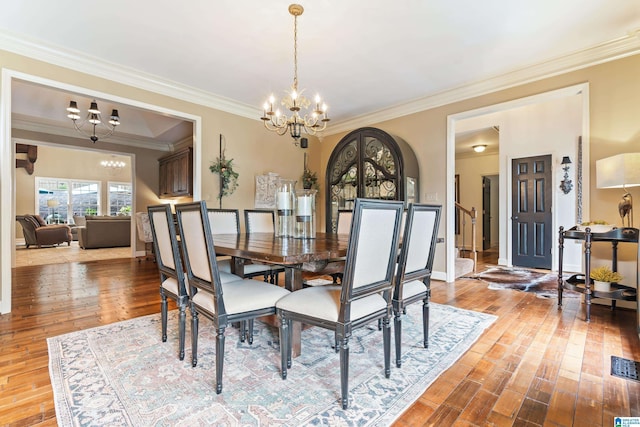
column 305, row 226
column 600, row 286
column 286, row 204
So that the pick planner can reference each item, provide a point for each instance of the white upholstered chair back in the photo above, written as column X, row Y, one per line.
column 164, row 249
column 422, row 243
column 373, row 246
column 344, row 222
column 224, row 221
column 193, row 232
column 259, row 221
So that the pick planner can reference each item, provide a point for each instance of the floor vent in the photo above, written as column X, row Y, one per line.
column 625, row 368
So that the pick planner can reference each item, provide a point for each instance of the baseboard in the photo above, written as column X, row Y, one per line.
column 439, row 275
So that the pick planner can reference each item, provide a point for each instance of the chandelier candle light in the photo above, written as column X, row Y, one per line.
column 301, row 120
column 93, row 119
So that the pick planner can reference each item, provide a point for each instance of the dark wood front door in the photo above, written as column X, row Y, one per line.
column 531, row 212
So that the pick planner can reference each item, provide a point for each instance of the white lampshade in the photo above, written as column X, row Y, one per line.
column 52, row 203
column 622, row 170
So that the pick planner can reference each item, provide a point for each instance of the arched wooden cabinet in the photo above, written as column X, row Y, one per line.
column 370, row 163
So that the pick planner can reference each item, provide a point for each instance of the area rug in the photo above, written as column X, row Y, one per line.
column 123, row 375
column 543, row 284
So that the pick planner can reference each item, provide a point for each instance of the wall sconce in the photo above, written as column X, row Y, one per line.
column 566, row 185
column 479, row 148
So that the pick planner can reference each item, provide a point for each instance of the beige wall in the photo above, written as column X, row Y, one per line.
column 614, row 128
column 614, row 90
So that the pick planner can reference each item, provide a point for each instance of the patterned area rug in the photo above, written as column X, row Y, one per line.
column 123, row 375
column 544, row 285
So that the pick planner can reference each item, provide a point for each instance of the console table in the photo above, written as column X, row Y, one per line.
column 579, row 282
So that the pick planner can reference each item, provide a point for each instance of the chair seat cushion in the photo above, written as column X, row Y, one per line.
column 413, row 288
column 224, row 265
column 242, row 296
column 323, row 302
column 171, row 285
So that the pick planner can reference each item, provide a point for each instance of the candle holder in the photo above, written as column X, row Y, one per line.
column 286, row 204
column 305, row 225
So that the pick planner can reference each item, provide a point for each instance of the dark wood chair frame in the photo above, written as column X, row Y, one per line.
column 220, row 318
column 344, row 326
column 166, row 272
column 275, row 270
column 424, row 274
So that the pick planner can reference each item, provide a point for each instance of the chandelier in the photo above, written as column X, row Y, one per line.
column 302, row 118
column 93, row 120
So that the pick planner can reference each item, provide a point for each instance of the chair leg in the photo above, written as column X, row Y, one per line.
column 425, row 322
column 219, row 359
column 163, row 316
column 243, row 330
column 250, row 332
column 194, row 338
column 386, row 339
column 182, row 330
column 284, row 344
column 397, row 329
column 344, row 371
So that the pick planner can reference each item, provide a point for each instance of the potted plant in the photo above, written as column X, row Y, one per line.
column 309, row 180
column 603, row 277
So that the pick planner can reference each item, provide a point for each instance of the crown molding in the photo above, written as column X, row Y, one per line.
column 77, row 61
column 129, row 140
column 608, row 51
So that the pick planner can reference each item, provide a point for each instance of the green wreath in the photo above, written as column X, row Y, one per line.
column 228, row 177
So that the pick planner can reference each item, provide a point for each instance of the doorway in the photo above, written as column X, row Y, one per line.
column 529, row 129
column 7, row 220
column 531, row 220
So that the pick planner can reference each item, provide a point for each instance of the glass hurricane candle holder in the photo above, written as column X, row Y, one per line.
column 305, row 225
column 286, row 204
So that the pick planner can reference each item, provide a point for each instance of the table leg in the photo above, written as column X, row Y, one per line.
column 293, row 282
column 237, row 266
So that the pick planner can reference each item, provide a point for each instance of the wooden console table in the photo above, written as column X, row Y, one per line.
column 579, row 282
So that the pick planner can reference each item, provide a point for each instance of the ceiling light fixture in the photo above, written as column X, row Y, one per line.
column 113, row 164
column 93, row 119
column 310, row 122
column 479, row 148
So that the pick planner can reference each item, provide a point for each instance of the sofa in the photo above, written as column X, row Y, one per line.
column 104, row 232
column 37, row 232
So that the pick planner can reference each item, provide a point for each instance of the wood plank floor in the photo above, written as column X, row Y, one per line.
column 536, row 366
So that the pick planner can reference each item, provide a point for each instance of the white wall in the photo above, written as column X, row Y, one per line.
column 551, row 127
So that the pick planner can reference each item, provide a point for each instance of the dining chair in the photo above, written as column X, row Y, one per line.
column 412, row 281
column 222, row 303
column 344, row 221
column 227, row 221
column 169, row 262
column 262, row 221
column 364, row 295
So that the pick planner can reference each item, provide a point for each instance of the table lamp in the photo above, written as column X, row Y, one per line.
column 620, row 171
column 52, row 204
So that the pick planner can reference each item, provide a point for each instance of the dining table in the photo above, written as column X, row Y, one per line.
column 294, row 254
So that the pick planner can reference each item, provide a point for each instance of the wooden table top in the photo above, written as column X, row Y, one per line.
column 282, row 250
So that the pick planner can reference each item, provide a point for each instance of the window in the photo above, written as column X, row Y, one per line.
column 120, row 198
column 57, row 200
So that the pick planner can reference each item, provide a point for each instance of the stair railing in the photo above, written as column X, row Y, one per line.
column 473, row 214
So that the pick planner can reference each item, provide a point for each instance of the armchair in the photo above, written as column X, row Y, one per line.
column 37, row 232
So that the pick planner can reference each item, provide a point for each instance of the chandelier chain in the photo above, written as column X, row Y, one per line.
column 295, row 52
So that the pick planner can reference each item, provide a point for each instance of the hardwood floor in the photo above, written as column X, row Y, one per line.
column 536, row 366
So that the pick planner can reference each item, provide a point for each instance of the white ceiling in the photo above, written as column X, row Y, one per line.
column 363, row 57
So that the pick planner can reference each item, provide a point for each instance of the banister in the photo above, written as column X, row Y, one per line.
column 473, row 214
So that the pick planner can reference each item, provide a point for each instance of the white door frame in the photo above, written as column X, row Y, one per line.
column 582, row 88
